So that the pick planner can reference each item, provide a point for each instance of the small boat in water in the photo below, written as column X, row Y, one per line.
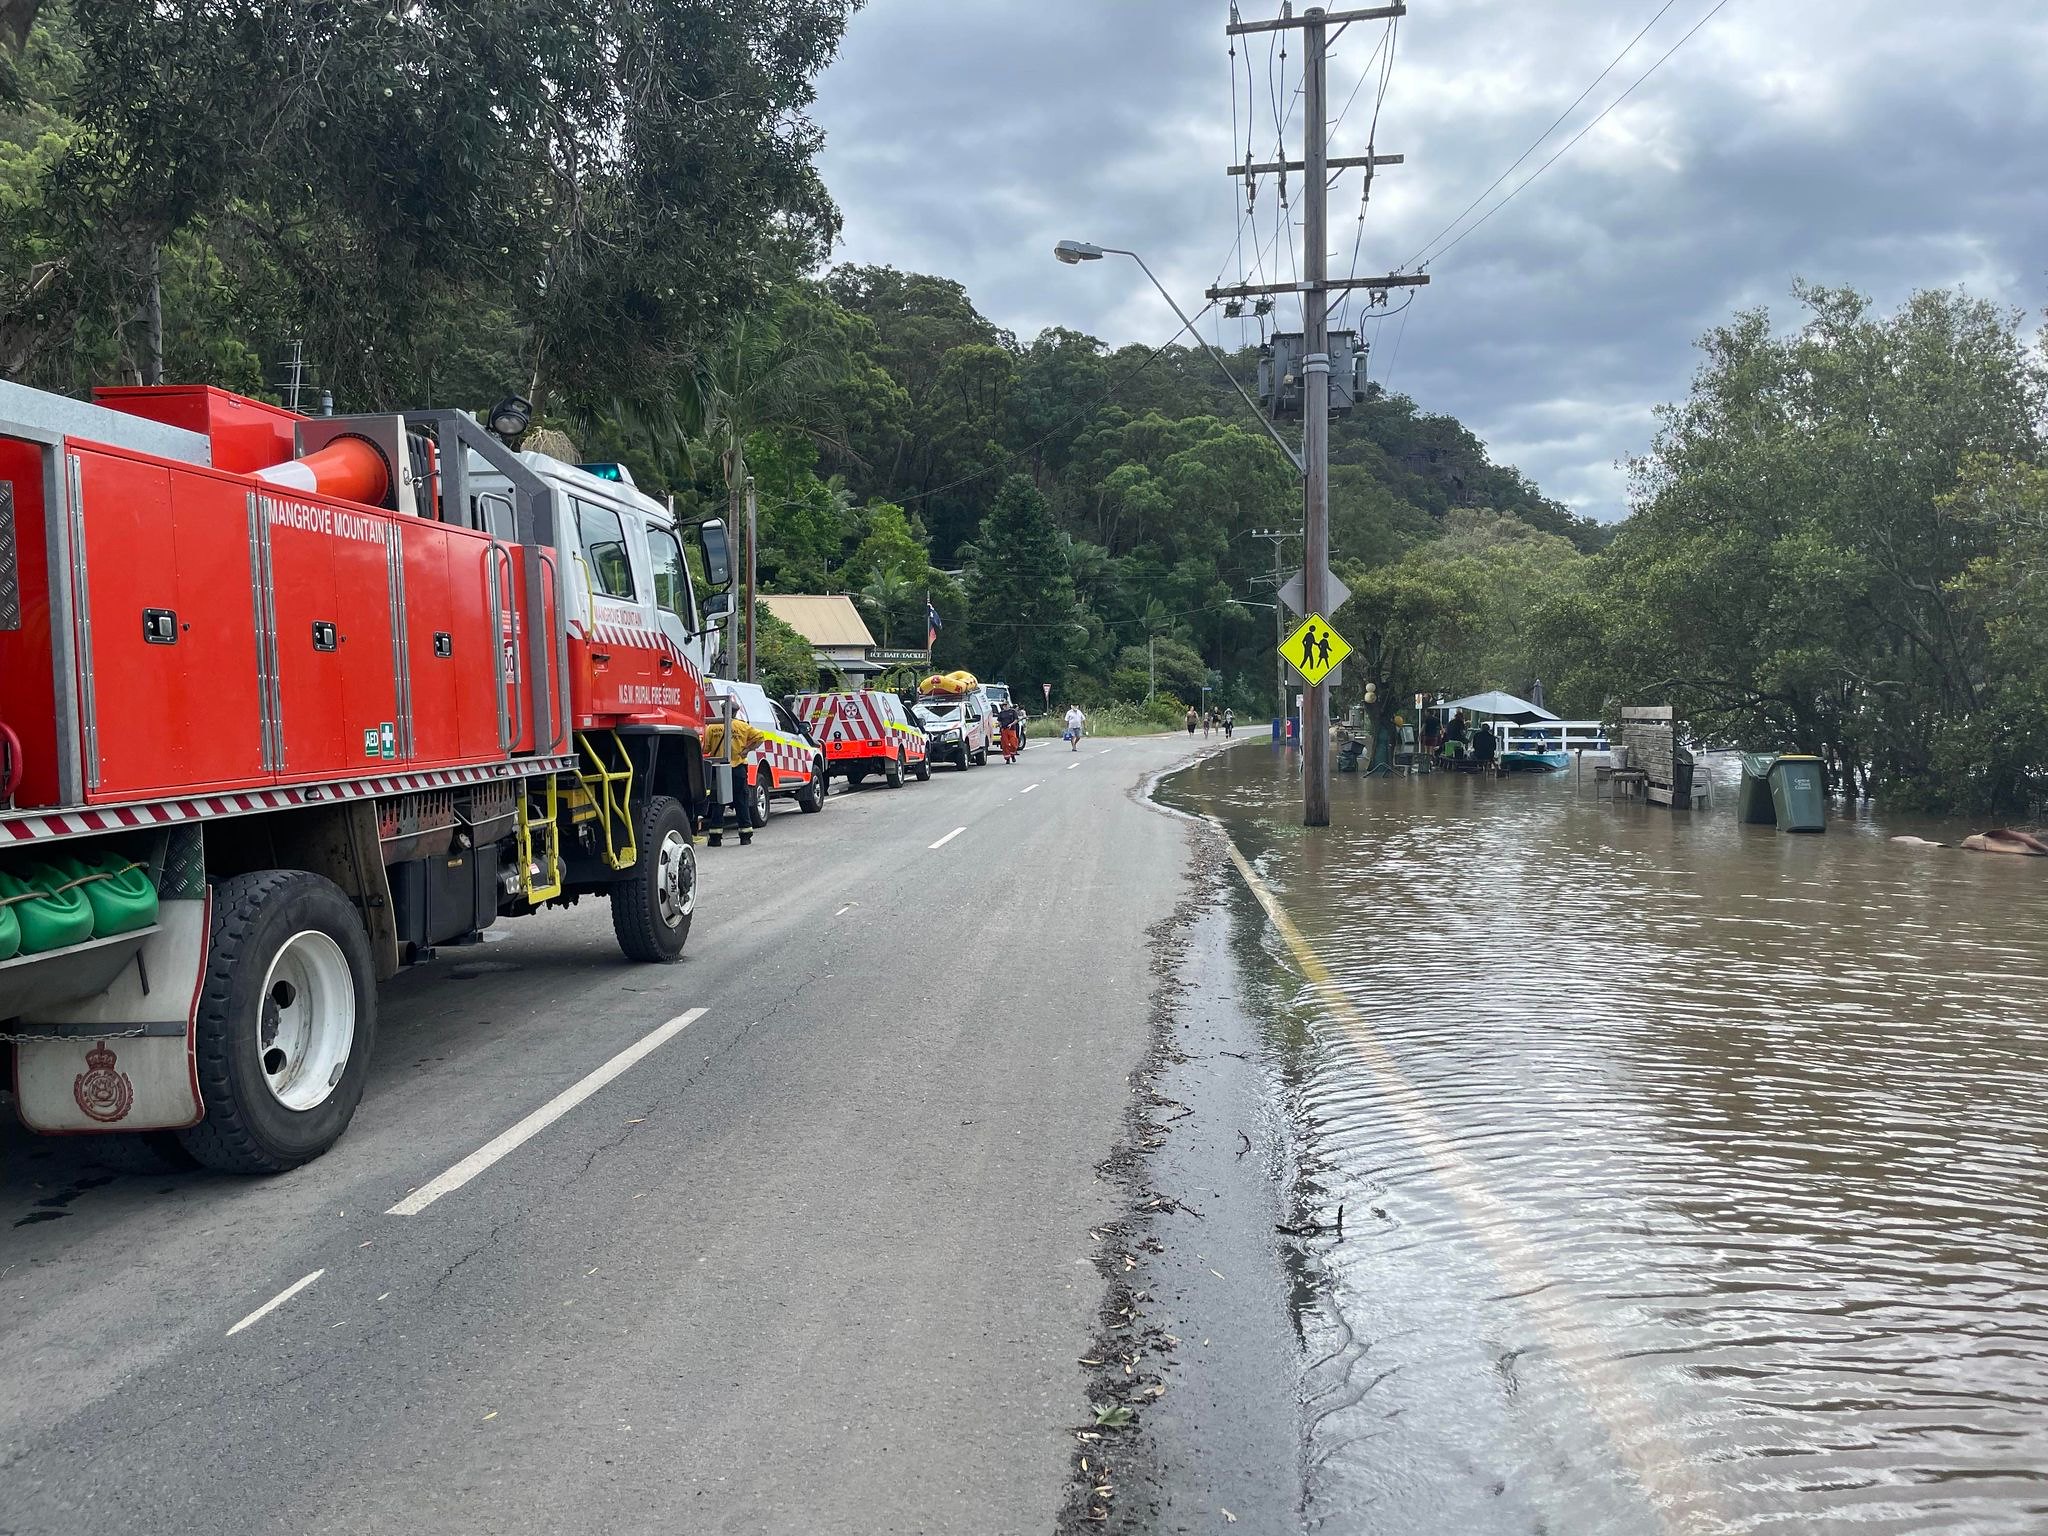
column 1525, row 761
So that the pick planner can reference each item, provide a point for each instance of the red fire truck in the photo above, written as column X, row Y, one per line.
column 285, row 703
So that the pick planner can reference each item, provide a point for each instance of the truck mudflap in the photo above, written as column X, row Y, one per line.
column 122, row 1059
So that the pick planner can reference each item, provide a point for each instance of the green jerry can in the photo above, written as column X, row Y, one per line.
column 10, row 931
column 118, row 891
column 1799, row 794
column 50, row 917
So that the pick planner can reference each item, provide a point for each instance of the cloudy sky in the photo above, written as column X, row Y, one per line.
column 1873, row 143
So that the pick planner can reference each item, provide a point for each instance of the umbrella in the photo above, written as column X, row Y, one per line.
column 1499, row 704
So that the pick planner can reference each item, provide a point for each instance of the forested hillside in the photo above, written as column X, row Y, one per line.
column 1091, row 505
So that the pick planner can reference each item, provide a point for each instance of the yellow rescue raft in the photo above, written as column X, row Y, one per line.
column 949, row 684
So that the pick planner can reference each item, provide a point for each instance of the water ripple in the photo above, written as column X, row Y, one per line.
column 1729, row 1216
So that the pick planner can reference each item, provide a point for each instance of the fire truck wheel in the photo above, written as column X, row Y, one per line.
column 923, row 770
column 811, row 797
column 894, row 772
column 287, row 1016
column 651, row 907
column 757, row 804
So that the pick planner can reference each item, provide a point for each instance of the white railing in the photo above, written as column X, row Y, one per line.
column 1567, row 736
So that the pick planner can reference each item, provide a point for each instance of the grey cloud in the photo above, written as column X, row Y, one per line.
column 1863, row 142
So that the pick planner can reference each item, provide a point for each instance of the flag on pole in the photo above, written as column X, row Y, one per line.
column 932, row 624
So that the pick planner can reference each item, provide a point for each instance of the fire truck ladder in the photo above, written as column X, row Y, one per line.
column 549, row 886
column 611, row 791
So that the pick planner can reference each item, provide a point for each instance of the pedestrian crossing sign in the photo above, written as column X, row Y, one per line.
column 1315, row 650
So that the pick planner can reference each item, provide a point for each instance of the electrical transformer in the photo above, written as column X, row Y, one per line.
column 1281, row 380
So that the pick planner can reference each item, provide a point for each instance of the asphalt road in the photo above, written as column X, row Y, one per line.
column 820, row 1261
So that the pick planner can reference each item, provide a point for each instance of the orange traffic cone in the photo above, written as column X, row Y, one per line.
column 347, row 469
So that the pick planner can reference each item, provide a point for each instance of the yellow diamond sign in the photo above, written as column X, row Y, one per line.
column 1315, row 650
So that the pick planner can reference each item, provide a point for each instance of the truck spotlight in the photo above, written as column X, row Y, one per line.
column 510, row 418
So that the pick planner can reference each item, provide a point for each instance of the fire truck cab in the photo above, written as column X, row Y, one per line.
column 285, row 704
column 628, row 590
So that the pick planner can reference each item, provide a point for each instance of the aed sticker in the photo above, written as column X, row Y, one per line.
column 372, row 745
column 387, row 740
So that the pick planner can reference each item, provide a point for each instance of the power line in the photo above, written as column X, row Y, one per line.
column 1546, row 133
column 1364, row 75
column 1718, row 7
column 1400, row 331
column 1388, row 40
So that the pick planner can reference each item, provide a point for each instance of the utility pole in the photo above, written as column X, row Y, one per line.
column 753, row 550
column 1315, row 402
column 1279, row 537
column 1314, row 288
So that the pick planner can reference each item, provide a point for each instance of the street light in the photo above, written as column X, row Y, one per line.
column 1073, row 252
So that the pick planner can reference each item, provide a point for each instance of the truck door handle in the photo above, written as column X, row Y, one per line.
column 667, row 662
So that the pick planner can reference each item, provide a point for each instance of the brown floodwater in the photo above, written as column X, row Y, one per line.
column 1692, row 1174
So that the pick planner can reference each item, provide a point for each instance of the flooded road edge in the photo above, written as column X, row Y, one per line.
column 1193, row 1417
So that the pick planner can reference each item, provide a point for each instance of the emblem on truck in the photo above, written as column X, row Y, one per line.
column 102, row 1093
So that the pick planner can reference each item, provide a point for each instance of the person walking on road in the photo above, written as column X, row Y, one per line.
column 1191, row 719
column 1076, row 722
column 1010, row 726
column 1229, row 723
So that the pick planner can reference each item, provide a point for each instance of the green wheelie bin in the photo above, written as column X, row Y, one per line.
column 1799, row 794
column 1786, row 791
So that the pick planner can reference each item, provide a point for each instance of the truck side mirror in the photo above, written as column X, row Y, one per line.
column 717, row 551
column 717, row 605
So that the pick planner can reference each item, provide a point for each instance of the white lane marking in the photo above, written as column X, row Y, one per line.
column 846, row 909
column 1104, row 752
column 1028, row 788
column 275, row 1302
column 1072, row 766
column 949, row 837
column 543, row 1117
